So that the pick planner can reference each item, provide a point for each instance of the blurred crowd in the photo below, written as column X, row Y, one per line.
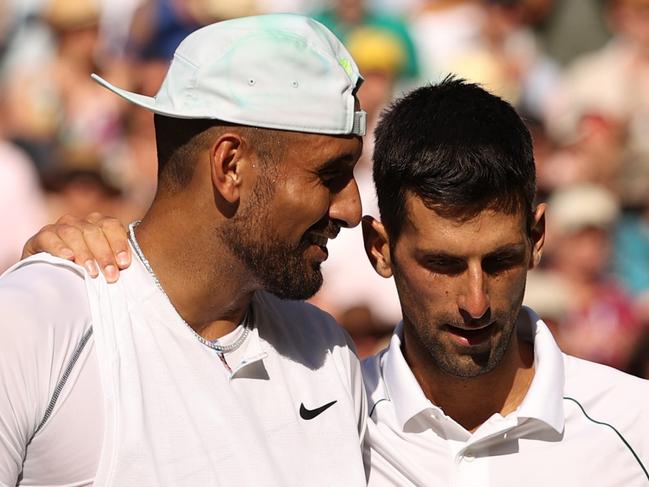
column 577, row 70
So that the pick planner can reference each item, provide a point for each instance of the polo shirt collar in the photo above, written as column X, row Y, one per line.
column 401, row 386
column 543, row 401
column 252, row 358
column 251, row 364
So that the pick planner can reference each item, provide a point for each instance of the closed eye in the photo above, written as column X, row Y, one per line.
column 336, row 173
column 335, row 181
column 495, row 264
column 446, row 265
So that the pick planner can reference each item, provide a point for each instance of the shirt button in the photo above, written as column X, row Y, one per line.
column 468, row 457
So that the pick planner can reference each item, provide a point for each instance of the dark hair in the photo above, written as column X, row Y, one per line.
column 457, row 147
column 179, row 141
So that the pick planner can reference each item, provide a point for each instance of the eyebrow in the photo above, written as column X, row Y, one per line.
column 339, row 160
column 513, row 250
column 505, row 250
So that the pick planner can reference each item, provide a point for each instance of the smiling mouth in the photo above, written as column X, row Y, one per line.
column 316, row 239
column 319, row 241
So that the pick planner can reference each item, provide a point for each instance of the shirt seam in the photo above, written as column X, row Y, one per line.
column 66, row 374
column 617, row 432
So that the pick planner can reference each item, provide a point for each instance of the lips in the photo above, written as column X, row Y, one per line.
column 471, row 336
column 320, row 243
column 317, row 239
column 320, row 235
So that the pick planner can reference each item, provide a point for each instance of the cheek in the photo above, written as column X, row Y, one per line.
column 422, row 293
column 296, row 207
column 306, row 196
column 506, row 291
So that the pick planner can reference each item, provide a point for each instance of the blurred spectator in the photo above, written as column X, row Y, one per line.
column 591, row 147
column 507, row 60
column 382, row 58
column 544, row 152
column 115, row 25
column 57, row 103
column 291, row 6
column 403, row 8
column 568, row 28
column 22, row 206
column 346, row 16
column 159, row 26
column 548, row 295
column 79, row 183
column 444, row 29
column 600, row 323
column 639, row 360
column 25, row 40
column 610, row 85
column 7, row 22
column 632, row 249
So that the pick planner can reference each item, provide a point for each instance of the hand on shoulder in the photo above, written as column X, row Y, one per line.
column 94, row 242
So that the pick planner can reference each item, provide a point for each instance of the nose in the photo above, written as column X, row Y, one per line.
column 345, row 205
column 474, row 299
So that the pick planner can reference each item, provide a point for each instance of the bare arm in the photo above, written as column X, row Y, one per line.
column 95, row 242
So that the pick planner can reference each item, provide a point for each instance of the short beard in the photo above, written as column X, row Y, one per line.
column 280, row 267
column 482, row 363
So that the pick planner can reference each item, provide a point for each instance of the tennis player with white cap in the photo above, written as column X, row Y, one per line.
column 196, row 368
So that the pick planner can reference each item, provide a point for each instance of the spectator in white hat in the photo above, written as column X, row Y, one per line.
column 600, row 322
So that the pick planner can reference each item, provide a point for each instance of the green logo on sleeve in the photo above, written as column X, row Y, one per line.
column 347, row 66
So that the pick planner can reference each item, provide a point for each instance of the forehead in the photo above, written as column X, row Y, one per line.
column 426, row 229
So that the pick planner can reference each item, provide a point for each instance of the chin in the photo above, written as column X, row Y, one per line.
column 296, row 289
column 463, row 369
column 466, row 363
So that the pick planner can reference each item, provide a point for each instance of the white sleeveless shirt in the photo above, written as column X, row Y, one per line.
column 174, row 415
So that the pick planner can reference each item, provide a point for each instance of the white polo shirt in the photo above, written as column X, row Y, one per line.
column 106, row 385
column 580, row 424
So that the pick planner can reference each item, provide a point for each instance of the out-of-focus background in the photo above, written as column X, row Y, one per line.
column 577, row 70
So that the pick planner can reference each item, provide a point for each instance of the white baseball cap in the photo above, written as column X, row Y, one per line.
column 279, row 71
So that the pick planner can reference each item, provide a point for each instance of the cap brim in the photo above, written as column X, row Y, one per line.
column 147, row 102
column 358, row 127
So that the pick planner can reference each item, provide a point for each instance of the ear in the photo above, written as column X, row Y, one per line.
column 226, row 164
column 377, row 246
column 538, row 234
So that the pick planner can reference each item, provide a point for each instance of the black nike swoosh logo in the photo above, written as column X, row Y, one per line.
column 312, row 413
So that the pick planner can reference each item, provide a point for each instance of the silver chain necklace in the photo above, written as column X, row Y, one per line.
column 213, row 345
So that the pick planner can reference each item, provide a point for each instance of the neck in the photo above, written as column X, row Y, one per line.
column 472, row 401
column 206, row 285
